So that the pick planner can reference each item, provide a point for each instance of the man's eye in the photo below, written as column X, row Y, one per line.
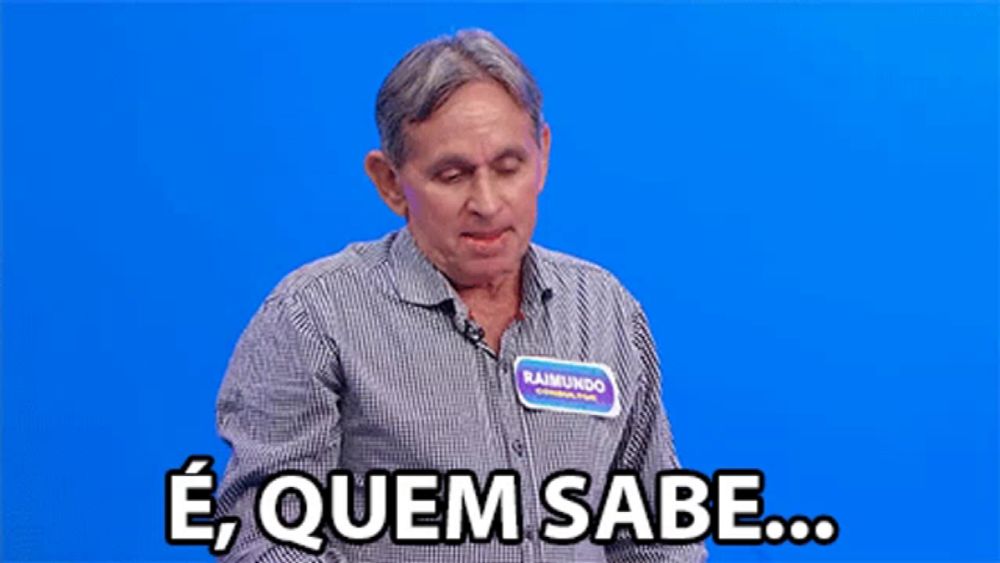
column 450, row 176
column 508, row 166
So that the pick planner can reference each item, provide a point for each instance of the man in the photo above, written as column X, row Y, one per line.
column 410, row 352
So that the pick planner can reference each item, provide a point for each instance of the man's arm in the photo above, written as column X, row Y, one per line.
column 277, row 408
column 647, row 448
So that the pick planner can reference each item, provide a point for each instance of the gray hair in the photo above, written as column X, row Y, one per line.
column 432, row 71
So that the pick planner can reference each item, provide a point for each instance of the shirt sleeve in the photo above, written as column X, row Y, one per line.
column 647, row 448
column 277, row 408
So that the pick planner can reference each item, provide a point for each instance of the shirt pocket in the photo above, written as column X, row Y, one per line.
column 575, row 440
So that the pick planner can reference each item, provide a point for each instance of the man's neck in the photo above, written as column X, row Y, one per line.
column 494, row 306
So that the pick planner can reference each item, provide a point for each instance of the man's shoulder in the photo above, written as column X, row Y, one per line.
column 352, row 266
column 565, row 261
column 569, row 272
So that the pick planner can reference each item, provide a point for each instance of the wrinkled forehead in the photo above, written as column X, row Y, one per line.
column 479, row 119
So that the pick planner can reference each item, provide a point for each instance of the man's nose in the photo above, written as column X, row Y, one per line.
column 485, row 197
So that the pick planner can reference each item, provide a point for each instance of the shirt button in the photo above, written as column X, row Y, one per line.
column 518, row 447
column 529, row 535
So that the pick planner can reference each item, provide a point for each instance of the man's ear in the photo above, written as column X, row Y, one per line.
column 546, row 144
column 386, row 180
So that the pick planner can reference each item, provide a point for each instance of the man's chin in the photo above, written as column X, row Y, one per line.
column 488, row 271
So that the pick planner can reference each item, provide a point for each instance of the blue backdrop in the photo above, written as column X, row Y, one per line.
column 803, row 197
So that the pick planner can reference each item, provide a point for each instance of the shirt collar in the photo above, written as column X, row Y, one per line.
column 418, row 281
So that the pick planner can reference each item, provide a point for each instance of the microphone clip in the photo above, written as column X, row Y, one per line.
column 473, row 331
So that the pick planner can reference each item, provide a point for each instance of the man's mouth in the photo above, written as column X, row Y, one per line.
column 485, row 236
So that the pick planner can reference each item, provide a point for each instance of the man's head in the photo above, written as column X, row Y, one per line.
column 464, row 154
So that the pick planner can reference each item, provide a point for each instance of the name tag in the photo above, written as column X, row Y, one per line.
column 559, row 385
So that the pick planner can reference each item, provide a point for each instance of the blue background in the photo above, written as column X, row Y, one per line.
column 804, row 198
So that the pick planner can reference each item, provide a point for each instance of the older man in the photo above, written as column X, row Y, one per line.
column 416, row 351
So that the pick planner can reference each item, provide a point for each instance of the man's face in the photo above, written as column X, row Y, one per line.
column 471, row 181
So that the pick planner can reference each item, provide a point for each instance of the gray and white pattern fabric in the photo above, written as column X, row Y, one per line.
column 367, row 359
